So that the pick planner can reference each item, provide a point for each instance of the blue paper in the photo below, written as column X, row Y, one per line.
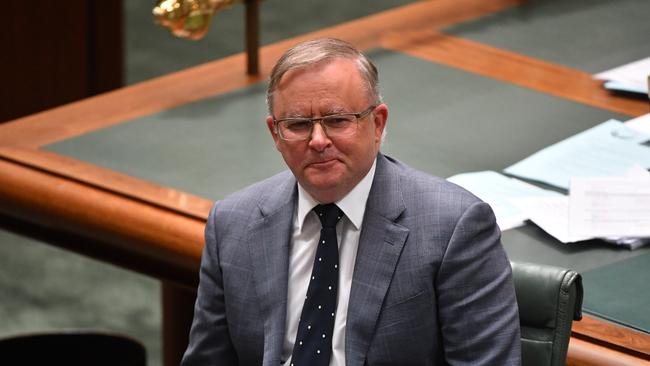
column 609, row 149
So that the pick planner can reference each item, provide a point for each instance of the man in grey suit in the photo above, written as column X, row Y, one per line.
column 419, row 273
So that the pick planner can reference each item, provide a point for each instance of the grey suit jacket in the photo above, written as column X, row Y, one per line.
column 431, row 285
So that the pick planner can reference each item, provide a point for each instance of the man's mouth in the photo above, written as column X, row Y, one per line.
column 323, row 163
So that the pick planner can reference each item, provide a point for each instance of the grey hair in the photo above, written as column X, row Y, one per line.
column 314, row 52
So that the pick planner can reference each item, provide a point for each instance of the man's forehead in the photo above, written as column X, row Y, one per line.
column 321, row 69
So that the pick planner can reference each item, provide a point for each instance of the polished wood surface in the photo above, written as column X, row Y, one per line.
column 110, row 181
column 612, row 336
column 160, row 230
column 583, row 353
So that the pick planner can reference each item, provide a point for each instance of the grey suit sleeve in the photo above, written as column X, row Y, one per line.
column 477, row 304
column 209, row 337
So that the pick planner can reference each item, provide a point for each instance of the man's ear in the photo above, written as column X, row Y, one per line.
column 380, row 118
column 271, row 127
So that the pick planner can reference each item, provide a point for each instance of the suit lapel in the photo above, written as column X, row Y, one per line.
column 269, row 250
column 380, row 246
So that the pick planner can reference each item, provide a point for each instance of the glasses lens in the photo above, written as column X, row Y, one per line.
column 340, row 125
column 297, row 129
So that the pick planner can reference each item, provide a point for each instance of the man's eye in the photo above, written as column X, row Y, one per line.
column 298, row 125
column 337, row 121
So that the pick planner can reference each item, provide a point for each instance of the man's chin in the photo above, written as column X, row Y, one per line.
column 322, row 185
column 322, row 173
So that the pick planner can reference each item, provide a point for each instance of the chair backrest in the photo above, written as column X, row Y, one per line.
column 549, row 299
column 72, row 348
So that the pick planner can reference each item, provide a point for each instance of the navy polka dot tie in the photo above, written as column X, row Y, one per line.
column 313, row 345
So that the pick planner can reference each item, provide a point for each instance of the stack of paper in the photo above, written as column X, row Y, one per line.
column 616, row 209
column 605, row 168
column 632, row 77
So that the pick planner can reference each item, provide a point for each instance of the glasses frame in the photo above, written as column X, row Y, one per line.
column 313, row 120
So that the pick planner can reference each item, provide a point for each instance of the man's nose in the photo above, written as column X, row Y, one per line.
column 319, row 139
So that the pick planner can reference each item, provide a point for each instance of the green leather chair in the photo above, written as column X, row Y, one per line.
column 549, row 299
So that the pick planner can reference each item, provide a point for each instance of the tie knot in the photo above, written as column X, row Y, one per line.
column 328, row 214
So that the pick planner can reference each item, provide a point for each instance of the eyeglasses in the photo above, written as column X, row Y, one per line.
column 335, row 125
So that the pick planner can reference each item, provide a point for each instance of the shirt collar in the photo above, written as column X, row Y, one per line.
column 352, row 204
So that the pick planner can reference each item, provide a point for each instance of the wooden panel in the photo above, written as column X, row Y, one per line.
column 56, row 52
column 105, row 45
column 43, row 51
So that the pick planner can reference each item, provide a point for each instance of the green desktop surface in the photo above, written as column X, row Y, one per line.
column 620, row 292
column 589, row 35
column 441, row 120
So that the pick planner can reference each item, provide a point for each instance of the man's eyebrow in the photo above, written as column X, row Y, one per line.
column 327, row 112
column 294, row 114
column 334, row 110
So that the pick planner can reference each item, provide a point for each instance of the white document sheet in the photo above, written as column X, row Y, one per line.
column 497, row 190
column 635, row 74
column 641, row 124
column 551, row 214
column 610, row 207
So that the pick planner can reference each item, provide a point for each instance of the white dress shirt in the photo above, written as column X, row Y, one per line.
column 306, row 231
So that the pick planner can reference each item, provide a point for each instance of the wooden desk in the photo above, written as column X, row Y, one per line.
column 158, row 231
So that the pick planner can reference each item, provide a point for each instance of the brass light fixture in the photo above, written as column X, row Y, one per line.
column 188, row 19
